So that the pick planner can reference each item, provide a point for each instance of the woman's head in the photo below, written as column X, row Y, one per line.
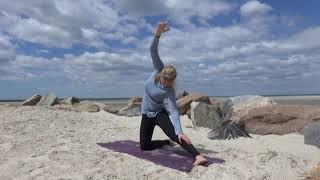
column 167, row 76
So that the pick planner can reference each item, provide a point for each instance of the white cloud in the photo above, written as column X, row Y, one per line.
column 34, row 31
column 7, row 52
column 252, row 8
column 62, row 23
column 178, row 11
column 182, row 11
column 242, row 55
column 92, row 36
column 108, row 68
column 307, row 39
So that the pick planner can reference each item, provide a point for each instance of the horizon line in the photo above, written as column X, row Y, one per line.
column 93, row 98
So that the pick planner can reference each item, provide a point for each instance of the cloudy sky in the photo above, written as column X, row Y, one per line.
column 100, row 48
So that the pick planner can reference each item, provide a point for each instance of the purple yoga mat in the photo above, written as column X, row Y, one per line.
column 175, row 159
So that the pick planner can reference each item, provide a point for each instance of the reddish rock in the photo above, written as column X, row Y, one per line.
column 182, row 94
column 314, row 174
column 184, row 103
column 280, row 119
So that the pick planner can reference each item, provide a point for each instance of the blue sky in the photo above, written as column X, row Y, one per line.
column 100, row 48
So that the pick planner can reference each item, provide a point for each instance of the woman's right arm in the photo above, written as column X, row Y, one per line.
column 157, row 63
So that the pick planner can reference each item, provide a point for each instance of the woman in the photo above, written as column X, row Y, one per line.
column 158, row 87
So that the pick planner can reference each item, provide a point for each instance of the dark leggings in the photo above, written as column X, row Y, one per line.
column 163, row 121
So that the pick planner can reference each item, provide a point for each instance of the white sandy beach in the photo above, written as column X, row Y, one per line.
column 49, row 143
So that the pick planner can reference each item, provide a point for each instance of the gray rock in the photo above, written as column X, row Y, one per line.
column 87, row 106
column 204, row 115
column 32, row 101
column 184, row 102
column 136, row 111
column 48, row 100
column 133, row 108
column 106, row 108
column 311, row 133
column 110, row 110
column 135, row 101
column 70, row 100
column 216, row 108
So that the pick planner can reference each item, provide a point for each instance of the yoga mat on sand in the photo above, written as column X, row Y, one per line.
column 176, row 159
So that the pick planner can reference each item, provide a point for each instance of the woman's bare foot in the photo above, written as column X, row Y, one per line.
column 200, row 160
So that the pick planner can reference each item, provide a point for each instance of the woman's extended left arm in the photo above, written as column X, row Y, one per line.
column 175, row 115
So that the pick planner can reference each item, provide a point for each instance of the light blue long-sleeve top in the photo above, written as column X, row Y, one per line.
column 155, row 93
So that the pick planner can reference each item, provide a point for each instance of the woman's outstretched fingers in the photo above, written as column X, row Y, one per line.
column 188, row 140
column 185, row 138
column 162, row 27
column 167, row 26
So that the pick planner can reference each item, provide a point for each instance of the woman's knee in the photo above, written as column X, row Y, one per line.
column 145, row 146
column 144, row 143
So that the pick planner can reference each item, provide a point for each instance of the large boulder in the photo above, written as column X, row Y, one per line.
column 311, row 133
column 135, row 101
column 133, row 108
column 215, row 101
column 205, row 115
column 184, row 102
column 241, row 105
column 70, row 100
column 189, row 113
column 182, row 94
column 48, row 100
column 87, row 106
column 280, row 119
column 216, row 108
column 232, row 110
column 32, row 101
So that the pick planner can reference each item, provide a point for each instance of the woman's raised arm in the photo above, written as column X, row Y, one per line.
column 157, row 63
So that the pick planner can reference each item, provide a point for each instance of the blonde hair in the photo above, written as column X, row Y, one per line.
column 167, row 71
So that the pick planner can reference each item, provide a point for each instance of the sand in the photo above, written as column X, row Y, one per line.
column 49, row 143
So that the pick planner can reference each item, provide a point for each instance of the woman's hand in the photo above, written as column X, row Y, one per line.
column 162, row 27
column 184, row 137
